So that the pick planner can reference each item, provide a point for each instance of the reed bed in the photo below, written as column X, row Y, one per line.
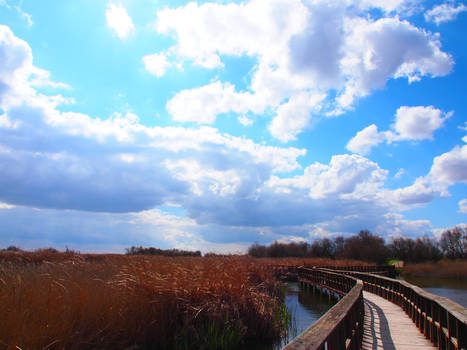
column 72, row 301
column 455, row 269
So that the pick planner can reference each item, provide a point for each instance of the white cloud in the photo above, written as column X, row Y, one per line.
column 68, row 160
column 357, row 54
column 293, row 116
column 112, row 174
column 450, row 167
column 418, row 123
column 398, row 226
column 346, row 175
column 419, row 193
column 444, row 13
column 365, row 139
column 244, row 120
column 447, row 169
column 118, row 20
column 412, row 123
column 202, row 179
column 376, row 51
column 16, row 66
column 6, row 206
column 204, row 32
column 158, row 63
column 202, row 105
column 17, row 73
column 463, row 206
column 41, row 77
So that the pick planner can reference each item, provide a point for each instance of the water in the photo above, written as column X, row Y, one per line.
column 305, row 308
column 454, row 289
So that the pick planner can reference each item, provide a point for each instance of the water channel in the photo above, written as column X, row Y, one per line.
column 305, row 308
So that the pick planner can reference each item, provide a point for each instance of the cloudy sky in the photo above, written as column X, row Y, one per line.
column 214, row 124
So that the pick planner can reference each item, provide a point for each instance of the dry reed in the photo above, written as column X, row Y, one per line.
column 67, row 301
column 456, row 269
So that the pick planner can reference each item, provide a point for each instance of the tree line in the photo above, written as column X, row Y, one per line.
column 156, row 251
column 366, row 246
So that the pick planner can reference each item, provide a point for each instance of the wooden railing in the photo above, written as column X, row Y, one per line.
column 342, row 326
column 384, row 270
column 440, row 319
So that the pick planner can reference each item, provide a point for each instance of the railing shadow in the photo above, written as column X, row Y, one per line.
column 377, row 340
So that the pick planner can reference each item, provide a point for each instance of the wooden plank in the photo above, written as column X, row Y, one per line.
column 387, row 327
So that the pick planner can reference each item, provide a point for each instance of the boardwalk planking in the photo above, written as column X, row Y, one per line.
column 387, row 327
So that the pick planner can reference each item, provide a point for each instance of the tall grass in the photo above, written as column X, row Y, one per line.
column 68, row 301
column 456, row 269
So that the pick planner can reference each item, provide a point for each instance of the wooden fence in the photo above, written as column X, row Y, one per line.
column 385, row 270
column 440, row 319
column 342, row 326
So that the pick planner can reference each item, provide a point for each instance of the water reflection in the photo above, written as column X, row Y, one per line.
column 305, row 307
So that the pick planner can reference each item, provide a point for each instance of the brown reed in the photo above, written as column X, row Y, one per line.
column 70, row 301
column 456, row 269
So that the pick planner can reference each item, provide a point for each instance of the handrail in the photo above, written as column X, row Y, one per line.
column 342, row 326
column 388, row 270
column 440, row 319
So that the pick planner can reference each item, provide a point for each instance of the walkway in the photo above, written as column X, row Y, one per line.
column 387, row 327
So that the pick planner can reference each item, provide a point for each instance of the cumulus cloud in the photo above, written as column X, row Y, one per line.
column 448, row 169
column 398, row 226
column 357, row 54
column 119, row 21
column 365, row 139
column 202, row 105
column 346, row 176
column 158, row 63
column 294, row 115
column 444, row 13
column 18, row 75
column 420, row 192
column 418, row 123
column 115, row 174
column 411, row 123
column 68, row 160
column 16, row 65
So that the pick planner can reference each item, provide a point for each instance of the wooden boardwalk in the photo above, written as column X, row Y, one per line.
column 387, row 327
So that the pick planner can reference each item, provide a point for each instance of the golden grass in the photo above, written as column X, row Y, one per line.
column 66, row 301
column 443, row 269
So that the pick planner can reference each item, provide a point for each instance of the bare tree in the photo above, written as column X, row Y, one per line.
column 453, row 243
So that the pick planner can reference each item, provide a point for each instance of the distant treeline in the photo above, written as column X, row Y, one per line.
column 366, row 246
column 164, row 252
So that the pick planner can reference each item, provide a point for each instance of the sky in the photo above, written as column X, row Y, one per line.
column 212, row 125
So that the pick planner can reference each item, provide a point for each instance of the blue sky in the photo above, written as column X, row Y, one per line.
column 212, row 125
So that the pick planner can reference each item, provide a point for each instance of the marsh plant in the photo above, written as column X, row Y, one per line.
column 51, row 300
